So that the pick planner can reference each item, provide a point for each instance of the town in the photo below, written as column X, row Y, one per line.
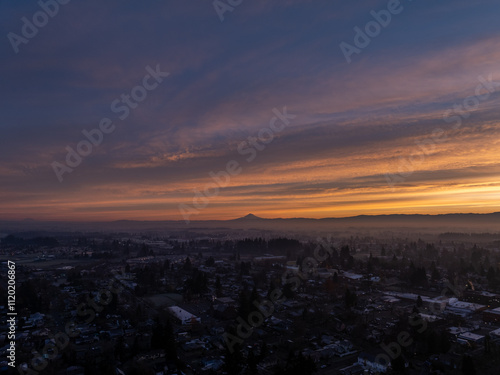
column 103, row 303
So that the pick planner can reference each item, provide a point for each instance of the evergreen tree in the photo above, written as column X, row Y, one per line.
column 169, row 343
column 419, row 301
column 252, row 362
column 218, row 287
column 233, row 360
column 468, row 367
column 187, row 264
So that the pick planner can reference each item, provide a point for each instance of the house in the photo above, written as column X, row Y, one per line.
column 377, row 363
column 223, row 311
column 354, row 369
column 492, row 315
column 481, row 297
column 270, row 259
column 471, row 337
column 183, row 317
column 495, row 335
column 270, row 361
column 463, row 309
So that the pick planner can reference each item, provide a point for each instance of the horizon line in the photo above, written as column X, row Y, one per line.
column 249, row 216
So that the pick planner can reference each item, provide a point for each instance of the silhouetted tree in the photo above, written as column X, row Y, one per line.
column 419, row 301
column 187, row 264
column 468, row 367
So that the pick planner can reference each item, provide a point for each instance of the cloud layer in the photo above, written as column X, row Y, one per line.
column 355, row 123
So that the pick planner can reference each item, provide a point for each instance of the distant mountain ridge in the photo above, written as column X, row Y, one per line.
column 462, row 222
column 364, row 217
column 252, row 217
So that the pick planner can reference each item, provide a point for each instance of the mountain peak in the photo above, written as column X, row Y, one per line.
column 250, row 217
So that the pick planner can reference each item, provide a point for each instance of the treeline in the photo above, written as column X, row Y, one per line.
column 278, row 246
column 12, row 240
column 469, row 236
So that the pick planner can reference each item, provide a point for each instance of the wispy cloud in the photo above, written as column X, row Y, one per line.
column 353, row 121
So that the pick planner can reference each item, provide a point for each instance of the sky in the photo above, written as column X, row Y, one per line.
column 205, row 110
